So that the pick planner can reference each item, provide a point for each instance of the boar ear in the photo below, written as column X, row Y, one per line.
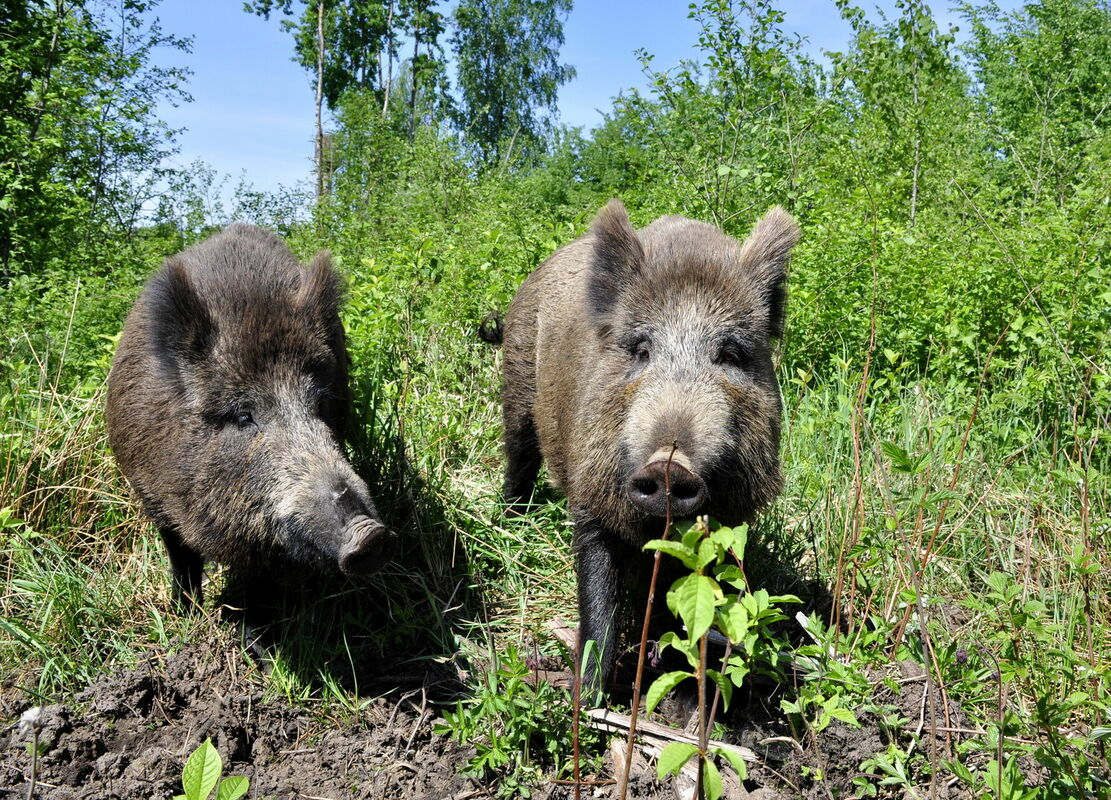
column 320, row 288
column 182, row 329
column 617, row 256
column 765, row 255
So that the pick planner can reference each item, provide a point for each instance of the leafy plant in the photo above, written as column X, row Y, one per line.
column 892, row 768
column 828, row 688
column 714, row 595
column 518, row 728
column 202, row 774
column 1028, row 636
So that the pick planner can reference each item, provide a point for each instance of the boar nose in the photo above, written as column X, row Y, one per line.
column 368, row 547
column 647, row 489
column 367, row 543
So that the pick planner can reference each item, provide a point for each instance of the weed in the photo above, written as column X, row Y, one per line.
column 703, row 601
column 519, row 728
column 203, row 774
column 892, row 769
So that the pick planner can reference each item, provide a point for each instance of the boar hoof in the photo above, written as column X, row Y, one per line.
column 369, row 546
column 648, row 489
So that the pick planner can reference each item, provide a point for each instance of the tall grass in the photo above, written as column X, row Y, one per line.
column 82, row 588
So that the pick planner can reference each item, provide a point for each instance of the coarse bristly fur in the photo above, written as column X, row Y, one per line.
column 628, row 348
column 226, row 406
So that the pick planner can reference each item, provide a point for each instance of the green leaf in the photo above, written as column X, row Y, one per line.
column 662, row 685
column 201, row 772
column 688, row 647
column 735, row 539
column 1035, row 608
column 897, row 456
column 722, row 537
column 999, row 582
column 754, row 603
column 707, row 553
column 783, row 598
column 695, row 600
column 232, row 788
column 735, row 759
column 941, row 495
column 1076, row 698
column 673, row 757
column 723, row 170
column 711, row 780
column 731, row 574
column 672, row 548
column 737, row 671
column 723, row 684
column 845, row 715
column 733, row 620
column 962, row 772
column 692, row 537
column 791, row 706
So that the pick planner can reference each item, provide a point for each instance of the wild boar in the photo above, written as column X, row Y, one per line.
column 637, row 361
column 226, row 406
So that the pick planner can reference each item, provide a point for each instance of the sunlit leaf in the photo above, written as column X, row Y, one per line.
column 673, row 757
column 202, row 771
column 662, row 685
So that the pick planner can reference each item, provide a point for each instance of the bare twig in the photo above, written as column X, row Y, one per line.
column 644, row 629
column 604, row 719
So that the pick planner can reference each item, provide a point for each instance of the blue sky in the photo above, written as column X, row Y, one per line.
column 252, row 109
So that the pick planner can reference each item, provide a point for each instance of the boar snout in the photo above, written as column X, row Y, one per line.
column 366, row 543
column 369, row 545
column 647, row 489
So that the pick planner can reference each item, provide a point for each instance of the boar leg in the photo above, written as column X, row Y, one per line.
column 185, row 567
column 599, row 570
column 522, row 458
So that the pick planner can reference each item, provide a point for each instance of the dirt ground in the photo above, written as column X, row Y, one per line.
column 128, row 735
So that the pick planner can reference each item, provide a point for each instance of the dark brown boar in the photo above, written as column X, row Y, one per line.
column 640, row 360
column 226, row 407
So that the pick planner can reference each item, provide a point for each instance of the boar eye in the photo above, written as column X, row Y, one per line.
column 733, row 355
column 242, row 418
column 640, row 351
column 638, row 346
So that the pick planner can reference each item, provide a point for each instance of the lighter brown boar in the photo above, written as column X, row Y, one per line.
column 637, row 362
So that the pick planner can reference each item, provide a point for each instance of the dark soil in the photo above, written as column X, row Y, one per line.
column 129, row 733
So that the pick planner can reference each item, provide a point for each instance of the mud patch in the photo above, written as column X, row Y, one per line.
column 128, row 735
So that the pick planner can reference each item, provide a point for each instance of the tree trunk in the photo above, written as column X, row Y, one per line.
column 7, row 245
column 319, row 100
column 917, row 148
column 389, row 61
column 60, row 12
column 413, row 76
